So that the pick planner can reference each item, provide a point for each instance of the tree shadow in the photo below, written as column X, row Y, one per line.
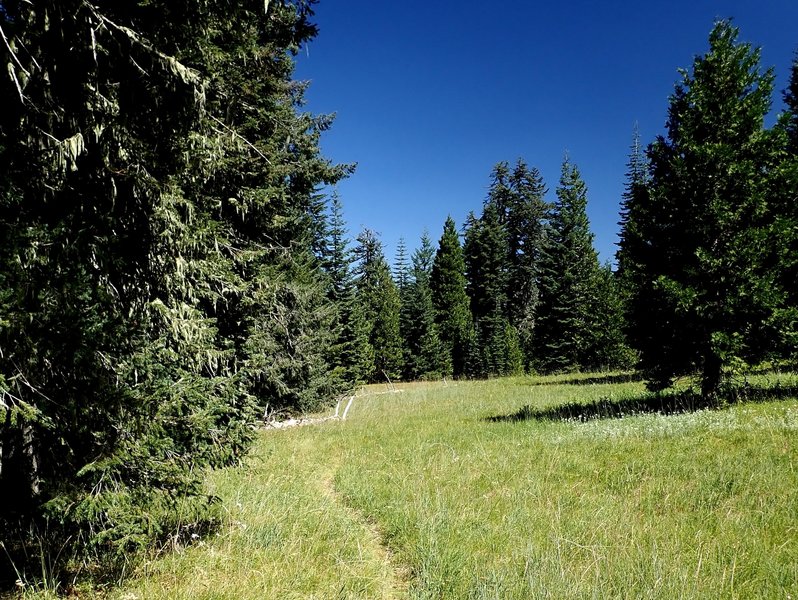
column 597, row 380
column 665, row 403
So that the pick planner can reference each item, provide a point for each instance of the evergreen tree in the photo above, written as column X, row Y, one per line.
column 607, row 339
column 784, row 183
column 711, row 284
column 403, row 279
column 524, row 217
column 449, row 297
column 423, row 356
column 379, row 298
column 569, row 282
column 791, row 114
column 352, row 356
column 157, row 230
column 401, row 268
column 633, row 204
column 485, row 251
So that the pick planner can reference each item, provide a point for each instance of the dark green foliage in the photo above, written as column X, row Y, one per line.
column 379, row 299
column 709, row 268
column 452, row 311
column 633, row 205
column 791, row 115
column 519, row 196
column 352, row 355
column 401, row 268
column 159, row 255
column 569, row 283
column 784, row 183
column 423, row 353
column 487, row 272
column 607, row 341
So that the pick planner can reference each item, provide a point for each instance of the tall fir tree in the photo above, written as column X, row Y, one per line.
column 352, row 356
column 790, row 119
column 569, row 281
column 633, row 204
column 520, row 196
column 401, row 267
column 711, row 283
column 449, row 297
column 487, row 271
column 423, row 353
column 156, row 255
column 379, row 299
column 784, row 183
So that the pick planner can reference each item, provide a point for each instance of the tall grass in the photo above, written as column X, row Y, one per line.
column 454, row 491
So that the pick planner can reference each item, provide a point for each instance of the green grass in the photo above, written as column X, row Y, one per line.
column 419, row 494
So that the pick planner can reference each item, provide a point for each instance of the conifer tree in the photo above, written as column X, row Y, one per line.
column 790, row 119
column 401, row 267
column 486, row 258
column 607, row 339
column 569, row 280
column 449, row 297
column 402, row 278
column 784, row 183
column 423, row 356
column 352, row 356
column 157, row 229
column 712, row 284
column 633, row 204
column 379, row 298
column 525, row 212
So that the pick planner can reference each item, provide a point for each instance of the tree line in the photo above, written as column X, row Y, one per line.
column 706, row 264
column 171, row 270
column 522, row 292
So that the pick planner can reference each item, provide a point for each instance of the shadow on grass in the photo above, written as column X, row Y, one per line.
column 597, row 380
column 665, row 403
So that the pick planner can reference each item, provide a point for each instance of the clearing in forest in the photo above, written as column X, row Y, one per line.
column 561, row 487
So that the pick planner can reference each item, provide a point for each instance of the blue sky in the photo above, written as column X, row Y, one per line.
column 429, row 95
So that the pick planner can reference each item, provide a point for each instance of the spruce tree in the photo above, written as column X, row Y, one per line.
column 423, row 356
column 569, row 280
column 402, row 278
column 711, row 233
column 449, row 297
column 784, row 183
column 633, row 204
column 379, row 299
column 157, row 227
column 525, row 221
column 401, row 267
column 352, row 355
column 487, row 270
column 790, row 119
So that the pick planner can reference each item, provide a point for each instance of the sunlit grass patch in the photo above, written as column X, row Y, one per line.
column 420, row 494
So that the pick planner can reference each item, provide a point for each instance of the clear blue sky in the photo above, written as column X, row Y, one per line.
column 430, row 95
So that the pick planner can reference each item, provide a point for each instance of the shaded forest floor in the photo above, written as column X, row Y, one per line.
column 559, row 487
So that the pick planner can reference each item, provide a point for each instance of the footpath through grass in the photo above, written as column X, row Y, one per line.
column 421, row 494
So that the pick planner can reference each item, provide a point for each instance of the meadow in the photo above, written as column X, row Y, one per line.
column 574, row 486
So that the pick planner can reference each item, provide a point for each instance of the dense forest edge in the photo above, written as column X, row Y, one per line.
column 174, row 264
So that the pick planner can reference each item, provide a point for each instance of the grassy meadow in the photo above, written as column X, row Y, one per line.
column 560, row 487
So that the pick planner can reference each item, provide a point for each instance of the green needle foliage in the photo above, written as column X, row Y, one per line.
column 158, row 222
column 379, row 297
column 565, row 328
column 352, row 354
column 452, row 310
column 424, row 358
column 713, row 234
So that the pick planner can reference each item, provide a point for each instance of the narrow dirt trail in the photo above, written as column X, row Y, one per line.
column 397, row 576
